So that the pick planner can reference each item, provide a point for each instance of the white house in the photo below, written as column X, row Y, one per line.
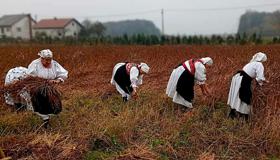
column 16, row 26
column 57, row 27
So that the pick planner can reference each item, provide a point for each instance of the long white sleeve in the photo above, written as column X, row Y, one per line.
column 140, row 80
column 56, row 71
column 260, row 74
column 33, row 68
column 255, row 70
column 61, row 73
column 200, row 73
column 134, row 73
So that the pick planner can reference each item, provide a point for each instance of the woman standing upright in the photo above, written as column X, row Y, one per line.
column 240, row 94
column 181, row 83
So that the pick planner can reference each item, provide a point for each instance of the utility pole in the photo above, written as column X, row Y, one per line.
column 36, row 18
column 162, row 22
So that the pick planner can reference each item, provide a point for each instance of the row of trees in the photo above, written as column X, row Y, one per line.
column 214, row 39
column 143, row 39
column 92, row 30
column 276, row 40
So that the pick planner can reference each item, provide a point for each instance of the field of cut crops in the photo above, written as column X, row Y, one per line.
column 96, row 124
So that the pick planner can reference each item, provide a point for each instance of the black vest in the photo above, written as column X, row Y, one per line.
column 245, row 91
column 123, row 79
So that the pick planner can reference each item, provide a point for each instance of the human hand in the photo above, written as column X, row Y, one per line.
column 266, row 81
column 55, row 81
column 134, row 94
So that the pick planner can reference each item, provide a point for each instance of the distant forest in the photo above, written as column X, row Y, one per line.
column 261, row 23
column 131, row 27
column 119, row 28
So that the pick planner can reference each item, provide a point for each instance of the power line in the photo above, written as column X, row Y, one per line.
column 175, row 10
column 182, row 10
column 223, row 8
column 162, row 21
column 123, row 15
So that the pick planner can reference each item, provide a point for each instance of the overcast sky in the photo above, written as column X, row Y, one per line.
column 180, row 16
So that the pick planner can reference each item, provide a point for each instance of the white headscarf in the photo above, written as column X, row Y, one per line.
column 207, row 60
column 144, row 67
column 259, row 57
column 46, row 53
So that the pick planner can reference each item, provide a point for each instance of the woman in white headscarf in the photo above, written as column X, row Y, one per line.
column 127, row 77
column 180, row 86
column 47, row 68
column 22, row 99
column 240, row 94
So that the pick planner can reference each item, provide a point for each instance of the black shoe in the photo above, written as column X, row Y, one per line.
column 184, row 109
column 46, row 123
column 20, row 106
column 232, row 114
column 244, row 117
column 124, row 99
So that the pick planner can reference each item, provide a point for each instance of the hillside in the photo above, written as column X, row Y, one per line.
column 131, row 27
column 266, row 24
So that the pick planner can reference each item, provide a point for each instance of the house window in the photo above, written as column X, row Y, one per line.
column 75, row 33
column 73, row 24
column 59, row 34
column 18, row 29
column 2, row 30
column 8, row 29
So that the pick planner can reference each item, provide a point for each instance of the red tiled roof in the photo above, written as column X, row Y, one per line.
column 53, row 23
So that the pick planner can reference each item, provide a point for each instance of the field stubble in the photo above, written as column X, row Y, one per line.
column 95, row 124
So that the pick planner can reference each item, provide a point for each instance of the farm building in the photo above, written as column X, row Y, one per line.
column 57, row 27
column 16, row 26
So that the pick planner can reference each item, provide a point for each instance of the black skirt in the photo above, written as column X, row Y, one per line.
column 123, row 79
column 185, row 86
column 245, row 91
column 46, row 100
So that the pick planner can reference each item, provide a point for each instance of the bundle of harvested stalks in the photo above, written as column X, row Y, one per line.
column 29, row 83
column 45, row 98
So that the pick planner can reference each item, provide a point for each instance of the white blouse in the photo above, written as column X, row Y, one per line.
column 255, row 70
column 200, row 72
column 56, row 71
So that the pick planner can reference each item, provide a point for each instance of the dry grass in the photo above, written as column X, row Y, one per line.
column 96, row 124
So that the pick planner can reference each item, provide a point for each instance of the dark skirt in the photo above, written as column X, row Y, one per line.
column 245, row 91
column 46, row 100
column 185, row 86
column 123, row 79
